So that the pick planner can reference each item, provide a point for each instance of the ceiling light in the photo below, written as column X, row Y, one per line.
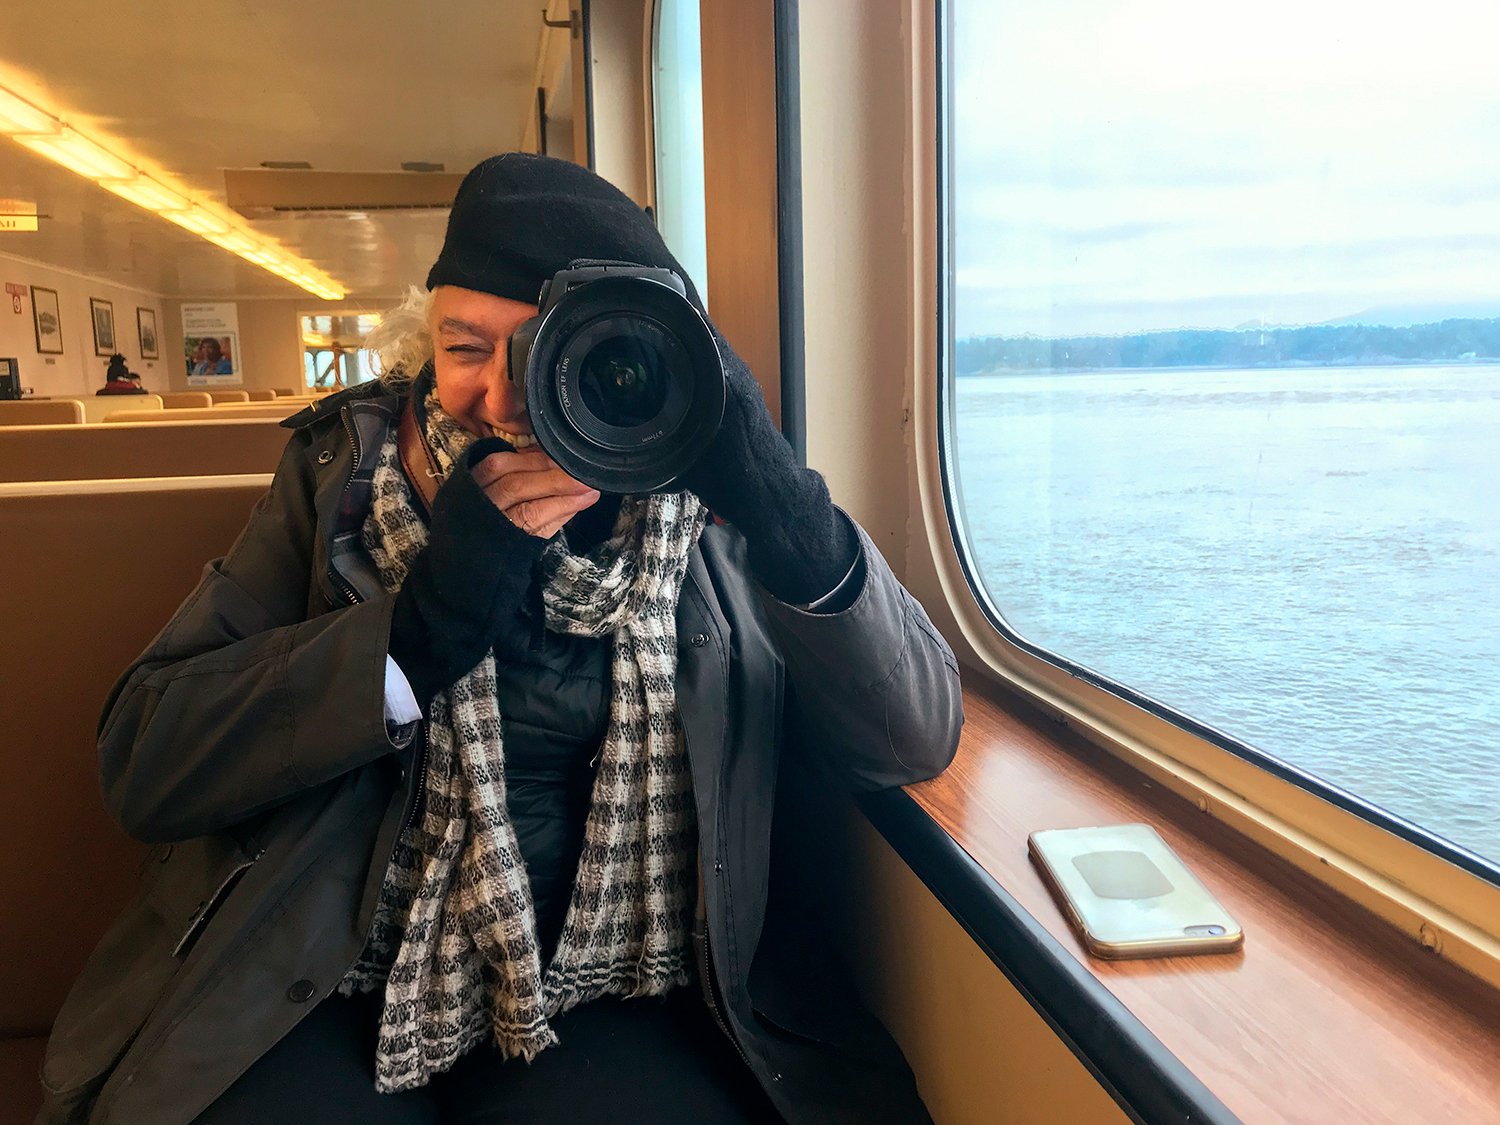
column 421, row 166
column 18, row 116
column 286, row 165
column 146, row 192
column 197, row 220
column 77, row 153
column 49, row 137
column 233, row 241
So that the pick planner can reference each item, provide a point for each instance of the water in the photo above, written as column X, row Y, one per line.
column 1306, row 559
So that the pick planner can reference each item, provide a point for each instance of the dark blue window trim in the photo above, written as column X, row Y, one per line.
column 789, row 228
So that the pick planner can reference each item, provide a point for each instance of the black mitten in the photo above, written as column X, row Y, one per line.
column 800, row 546
column 468, row 587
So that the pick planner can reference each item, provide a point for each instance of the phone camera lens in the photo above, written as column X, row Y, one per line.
column 1204, row 931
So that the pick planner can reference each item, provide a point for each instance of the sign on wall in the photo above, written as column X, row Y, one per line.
column 18, row 215
column 211, row 345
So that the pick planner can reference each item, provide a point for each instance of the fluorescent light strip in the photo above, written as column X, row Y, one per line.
column 47, row 136
column 18, row 116
column 147, row 193
column 78, row 154
column 196, row 220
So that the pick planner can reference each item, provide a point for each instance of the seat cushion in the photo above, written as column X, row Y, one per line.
column 20, row 1084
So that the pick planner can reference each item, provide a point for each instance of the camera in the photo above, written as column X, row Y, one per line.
column 623, row 381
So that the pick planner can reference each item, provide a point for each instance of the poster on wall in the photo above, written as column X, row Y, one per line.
column 211, row 345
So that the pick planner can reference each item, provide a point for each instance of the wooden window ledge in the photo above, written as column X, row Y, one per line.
column 1327, row 1014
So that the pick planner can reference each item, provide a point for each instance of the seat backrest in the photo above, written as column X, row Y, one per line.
column 261, row 396
column 278, row 409
column 93, row 571
column 141, row 449
column 229, row 396
column 288, row 407
column 178, row 400
column 100, row 407
column 285, row 392
column 40, row 411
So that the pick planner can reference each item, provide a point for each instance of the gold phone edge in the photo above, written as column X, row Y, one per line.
column 1127, row 951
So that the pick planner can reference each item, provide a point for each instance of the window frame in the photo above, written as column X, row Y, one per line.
column 1336, row 795
column 1440, row 894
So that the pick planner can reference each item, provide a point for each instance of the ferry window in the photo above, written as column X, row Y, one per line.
column 1225, row 370
column 332, row 351
column 677, row 114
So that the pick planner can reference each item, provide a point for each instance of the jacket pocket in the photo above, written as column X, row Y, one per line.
column 133, row 966
column 192, row 879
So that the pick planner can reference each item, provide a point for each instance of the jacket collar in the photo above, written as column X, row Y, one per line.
column 333, row 404
column 368, row 414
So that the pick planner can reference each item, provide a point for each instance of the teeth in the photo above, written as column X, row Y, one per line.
column 520, row 441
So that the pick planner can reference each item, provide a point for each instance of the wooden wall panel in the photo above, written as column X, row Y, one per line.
column 981, row 1054
column 739, row 174
column 857, row 246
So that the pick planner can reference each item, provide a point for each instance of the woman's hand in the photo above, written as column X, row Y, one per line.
column 532, row 492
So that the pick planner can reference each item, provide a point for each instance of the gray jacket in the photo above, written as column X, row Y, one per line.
column 249, row 744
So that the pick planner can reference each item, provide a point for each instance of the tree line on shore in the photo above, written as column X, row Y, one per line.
column 1355, row 345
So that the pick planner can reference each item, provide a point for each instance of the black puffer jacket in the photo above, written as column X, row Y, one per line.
column 554, row 706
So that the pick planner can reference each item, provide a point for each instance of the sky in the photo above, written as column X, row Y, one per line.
column 1136, row 165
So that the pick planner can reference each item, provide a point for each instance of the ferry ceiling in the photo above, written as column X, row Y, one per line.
column 204, row 95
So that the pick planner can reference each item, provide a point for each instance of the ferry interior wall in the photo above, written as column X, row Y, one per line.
column 1152, row 347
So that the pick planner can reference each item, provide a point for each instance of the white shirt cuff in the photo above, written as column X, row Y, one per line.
column 400, row 702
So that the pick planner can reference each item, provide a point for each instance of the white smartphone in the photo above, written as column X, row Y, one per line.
column 1128, row 895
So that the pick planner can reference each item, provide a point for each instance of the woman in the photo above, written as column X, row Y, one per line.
column 119, row 380
column 209, row 359
column 467, row 811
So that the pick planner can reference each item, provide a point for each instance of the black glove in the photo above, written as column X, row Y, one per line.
column 467, row 589
column 801, row 547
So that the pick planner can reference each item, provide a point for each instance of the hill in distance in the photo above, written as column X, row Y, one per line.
column 1405, row 316
column 1352, row 343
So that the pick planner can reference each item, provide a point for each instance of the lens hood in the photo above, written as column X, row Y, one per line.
column 624, row 383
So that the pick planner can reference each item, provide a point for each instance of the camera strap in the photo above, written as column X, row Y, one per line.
column 416, row 458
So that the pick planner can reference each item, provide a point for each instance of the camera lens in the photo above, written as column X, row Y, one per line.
column 622, row 382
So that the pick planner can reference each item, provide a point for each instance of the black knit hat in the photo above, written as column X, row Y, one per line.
column 518, row 218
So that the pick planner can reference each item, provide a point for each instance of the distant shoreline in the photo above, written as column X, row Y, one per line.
column 1003, row 372
column 1448, row 342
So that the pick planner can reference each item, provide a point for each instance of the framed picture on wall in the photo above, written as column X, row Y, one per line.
column 104, row 326
column 47, row 320
column 145, row 327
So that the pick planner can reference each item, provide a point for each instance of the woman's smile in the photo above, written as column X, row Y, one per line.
column 521, row 439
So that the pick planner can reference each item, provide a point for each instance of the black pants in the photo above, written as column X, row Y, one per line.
column 632, row 1062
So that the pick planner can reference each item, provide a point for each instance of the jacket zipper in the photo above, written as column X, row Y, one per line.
column 352, row 598
column 338, row 580
column 706, row 980
column 420, row 773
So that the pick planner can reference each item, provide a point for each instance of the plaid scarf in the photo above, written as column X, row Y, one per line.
column 454, row 935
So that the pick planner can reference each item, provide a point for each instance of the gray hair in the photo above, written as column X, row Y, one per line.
column 402, row 342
